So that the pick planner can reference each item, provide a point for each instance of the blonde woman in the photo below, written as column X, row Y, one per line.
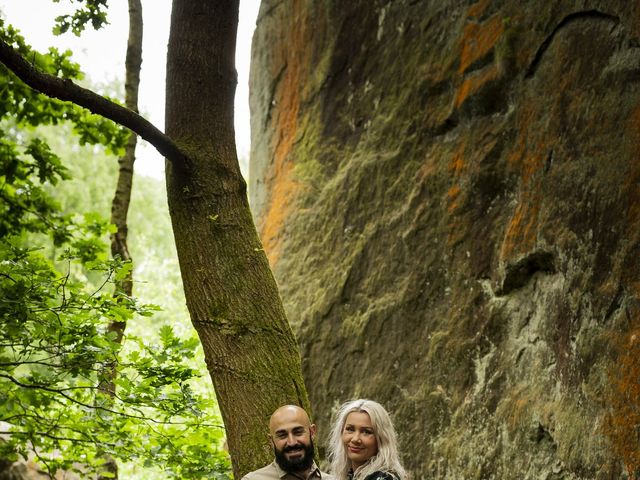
column 363, row 444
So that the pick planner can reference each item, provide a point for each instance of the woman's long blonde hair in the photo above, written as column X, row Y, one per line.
column 385, row 460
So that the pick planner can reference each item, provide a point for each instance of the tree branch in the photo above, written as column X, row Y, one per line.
column 66, row 90
column 53, row 437
column 60, row 392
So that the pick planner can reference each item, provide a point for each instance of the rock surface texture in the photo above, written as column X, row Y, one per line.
column 449, row 195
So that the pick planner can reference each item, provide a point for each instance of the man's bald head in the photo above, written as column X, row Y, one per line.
column 288, row 414
column 292, row 435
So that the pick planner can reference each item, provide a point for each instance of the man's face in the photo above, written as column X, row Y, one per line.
column 292, row 438
column 295, row 458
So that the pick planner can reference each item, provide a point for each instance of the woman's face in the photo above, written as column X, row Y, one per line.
column 359, row 439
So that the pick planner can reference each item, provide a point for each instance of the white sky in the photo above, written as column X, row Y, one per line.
column 101, row 55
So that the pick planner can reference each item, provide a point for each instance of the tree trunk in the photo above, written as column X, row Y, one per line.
column 232, row 297
column 122, row 198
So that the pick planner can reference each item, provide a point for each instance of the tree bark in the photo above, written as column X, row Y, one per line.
column 122, row 197
column 232, row 297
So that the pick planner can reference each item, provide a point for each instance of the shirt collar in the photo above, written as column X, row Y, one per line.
column 313, row 473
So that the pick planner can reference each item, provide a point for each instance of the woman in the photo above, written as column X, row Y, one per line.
column 363, row 443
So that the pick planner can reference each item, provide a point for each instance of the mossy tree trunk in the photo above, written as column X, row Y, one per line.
column 231, row 294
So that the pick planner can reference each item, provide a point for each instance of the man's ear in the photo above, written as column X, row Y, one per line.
column 270, row 440
column 312, row 430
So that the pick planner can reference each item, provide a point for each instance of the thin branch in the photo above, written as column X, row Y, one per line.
column 98, row 290
column 98, row 407
column 55, row 437
column 64, row 284
column 34, row 362
column 64, row 89
column 18, row 206
column 2, row 274
column 51, row 472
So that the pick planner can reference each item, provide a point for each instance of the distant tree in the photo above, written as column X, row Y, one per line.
column 230, row 291
column 122, row 199
column 124, row 186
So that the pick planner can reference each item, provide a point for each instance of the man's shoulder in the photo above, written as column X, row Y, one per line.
column 267, row 472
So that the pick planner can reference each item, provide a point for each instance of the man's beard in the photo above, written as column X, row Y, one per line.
column 299, row 464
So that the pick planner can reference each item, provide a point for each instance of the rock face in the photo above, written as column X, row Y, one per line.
column 449, row 194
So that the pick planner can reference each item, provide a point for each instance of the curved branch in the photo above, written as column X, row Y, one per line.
column 66, row 90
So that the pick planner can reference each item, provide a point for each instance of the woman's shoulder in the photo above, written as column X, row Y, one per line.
column 381, row 475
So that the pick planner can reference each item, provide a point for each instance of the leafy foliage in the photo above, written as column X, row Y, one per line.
column 56, row 301
column 94, row 12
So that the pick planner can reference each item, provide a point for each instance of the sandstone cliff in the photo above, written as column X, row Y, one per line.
column 449, row 195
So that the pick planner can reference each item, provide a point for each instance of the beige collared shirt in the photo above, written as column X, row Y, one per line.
column 274, row 472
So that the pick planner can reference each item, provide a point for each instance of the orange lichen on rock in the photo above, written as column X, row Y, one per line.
column 455, row 195
column 478, row 41
column 526, row 159
column 452, row 196
column 521, row 232
column 477, row 9
column 526, row 116
column 456, row 166
column 474, row 83
column 282, row 193
column 622, row 425
column 281, row 184
column 517, row 406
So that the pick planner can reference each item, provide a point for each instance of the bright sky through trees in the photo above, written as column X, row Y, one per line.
column 101, row 55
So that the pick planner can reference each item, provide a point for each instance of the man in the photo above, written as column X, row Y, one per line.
column 291, row 434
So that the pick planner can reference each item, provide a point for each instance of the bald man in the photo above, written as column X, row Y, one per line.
column 291, row 434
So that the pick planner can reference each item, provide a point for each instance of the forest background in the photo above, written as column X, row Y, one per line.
column 84, row 196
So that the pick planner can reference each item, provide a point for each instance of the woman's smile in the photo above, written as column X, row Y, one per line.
column 359, row 438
